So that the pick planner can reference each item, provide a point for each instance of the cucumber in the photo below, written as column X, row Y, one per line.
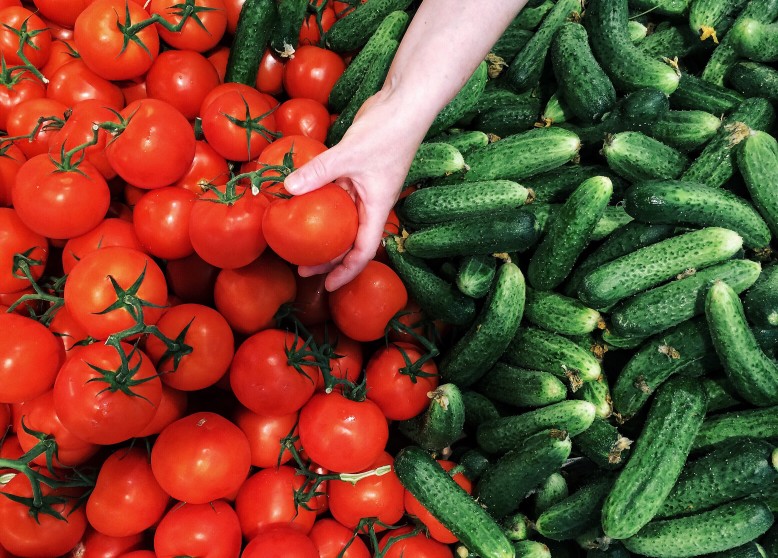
column 657, row 458
column 437, row 204
column 721, row 394
column 552, row 490
column 748, row 550
column 462, row 102
column 663, row 307
column 615, row 550
column 694, row 93
column 355, row 29
column 613, row 218
column 507, row 482
column 770, row 542
column 523, row 155
column 603, row 445
column 674, row 41
column 597, row 392
column 672, row 8
column 637, row 157
column 510, row 43
column 754, row 80
column 531, row 549
column 686, row 130
column 475, row 275
column 734, row 425
column 720, row 529
column 628, row 67
column 478, row 409
column 473, row 463
column 286, row 31
column 252, row 33
column 560, row 314
column 761, row 300
column 520, row 387
column 711, row 18
column 556, row 111
column 569, row 233
column 512, row 113
column 441, row 424
column 716, row 164
column 526, row 67
column 531, row 16
column 614, row 341
column 516, row 526
column 577, row 513
column 494, row 328
column 652, row 265
column 753, row 374
column 657, row 360
column 506, row 433
column 584, row 86
column 687, row 203
column 756, row 40
column 725, row 474
column 637, row 31
column 556, row 185
column 542, row 350
column 434, row 159
column 463, row 140
column 757, row 161
column 423, row 477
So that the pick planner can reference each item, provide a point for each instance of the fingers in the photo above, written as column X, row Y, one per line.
column 314, row 174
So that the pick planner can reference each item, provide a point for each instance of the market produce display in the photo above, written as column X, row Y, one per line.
column 566, row 345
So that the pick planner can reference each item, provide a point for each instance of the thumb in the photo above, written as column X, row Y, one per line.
column 312, row 175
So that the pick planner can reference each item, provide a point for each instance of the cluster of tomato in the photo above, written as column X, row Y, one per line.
column 169, row 386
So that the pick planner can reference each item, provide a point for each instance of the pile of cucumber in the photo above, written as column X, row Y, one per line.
column 593, row 215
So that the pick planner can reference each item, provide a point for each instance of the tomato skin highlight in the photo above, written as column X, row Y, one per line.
column 312, row 73
column 265, row 434
column 182, row 78
column 305, row 117
column 208, row 530
column 18, row 238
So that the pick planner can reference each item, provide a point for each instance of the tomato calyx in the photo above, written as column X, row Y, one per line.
column 306, row 354
column 123, row 378
column 22, row 264
column 130, row 30
column 268, row 173
column 12, row 75
column 43, row 124
column 176, row 349
column 252, row 125
column 25, row 39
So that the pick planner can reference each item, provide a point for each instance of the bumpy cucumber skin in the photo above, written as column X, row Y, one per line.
column 755, row 40
column 685, row 129
column 615, row 550
column 478, row 409
column 671, row 42
column 475, row 275
column 520, row 387
column 569, row 233
column 636, row 157
column 713, row 13
column 749, row 423
column 754, row 80
column 423, row 477
column 597, row 392
column 720, row 529
column 613, row 218
column 286, row 29
column 531, row 549
column 748, row 550
column 694, row 93
column 726, row 474
column 560, row 314
column 657, row 458
column 506, row 433
column 721, row 394
column 577, row 513
column 442, row 423
column 757, row 160
column 434, row 159
column 752, row 373
column 664, row 7
column 352, row 32
column 517, row 114
column 251, row 36
column 761, row 301
column 554, row 489
column 557, row 184
column 463, row 140
column 604, row 445
column 462, row 102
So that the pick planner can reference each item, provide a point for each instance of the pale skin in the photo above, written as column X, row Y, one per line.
column 441, row 48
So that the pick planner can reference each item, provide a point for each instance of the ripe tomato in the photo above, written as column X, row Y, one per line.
column 265, row 434
column 271, row 73
column 182, row 78
column 208, row 168
column 62, row 52
column 161, row 219
column 219, row 58
column 23, row 120
column 17, row 238
column 207, row 530
column 110, row 232
column 418, row 545
column 346, row 356
column 392, row 227
column 331, row 539
column 171, row 407
column 95, row 544
column 191, row 279
column 31, row 358
column 19, row 86
column 11, row 160
column 103, row 399
column 126, row 499
column 37, row 48
column 313, row 29
column 74, row 82
column 312, row 73
column 200, row 458
column 280, row 541
column 67, row 330
column 363, row 307
column 296, row 150
column 311, row 305
column 201, row 32
column 340, row 434
column 304, row 117
column 269, row 375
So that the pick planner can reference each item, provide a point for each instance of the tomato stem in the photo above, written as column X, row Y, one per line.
column 25, row 39
column 21, row 264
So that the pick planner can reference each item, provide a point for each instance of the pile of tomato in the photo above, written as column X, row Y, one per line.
column 169, row 385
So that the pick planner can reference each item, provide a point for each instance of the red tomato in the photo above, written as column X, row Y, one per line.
column 37, row 46
column 280, row 541
column 207, row 530
column 312, row 30
column 94, row 544
column 161, row 219
column 31, row 358
column 219, row 58
column 103, row 399
column 102, row 45
column 208, row 168
column 295, row 149
column 11, row 160
column 23, row 120
column 268, row 498
column 155, row 148
column 62, row 52
column 110, row 232
column 331, row 538
column 418, row 545
column 233, row 12
column 374, row 496
column 340, row 434
column 61, row 13
column 311, row 305
column 265, row 434
column 133, row 90
column 206, row 341
column 5, row 417
column 304, row 117
column 67, row 330
column 345, row 354
column 171, row 407
column 126, row 499
column 191, row 279
column 182, row 78
column 139, row 554
column 363, row 307
column 269, row 375
column 200, row 458
column 202, row 31
column 312, row 73
column 271, row 74
column 74, row 82
column 21, row 86
column 17, row 238
column 392, row 227
column 90, row 290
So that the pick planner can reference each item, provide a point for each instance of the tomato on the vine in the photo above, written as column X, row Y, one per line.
column 61, row 13
column 280, row 541
column 271, row 73
column 74, row 82
column 35, row 120
column 191, row 279
column 404, row 542
column 109, row 232
column 161, row 220
column 182, row 78
column 265, row 435
column 17, row 87
column 208, row 168
column 315, row 26
column 304, row 117
column 36, row 48
column 95, row 544
column 172, row 407
column 203, row 29
column 312, row 73
column 18, row 238
column 331, row 539
column 290, row 152
column 345, row 354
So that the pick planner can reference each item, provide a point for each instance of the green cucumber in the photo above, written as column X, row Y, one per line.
column 754, row 80
column 615, row 550
column 478, row 409
column 615, row 341
column 509, row 44
column 761, row 300
column 597, row 392
column 463, row 140
column 531, row 549
column 757, row 161
column 286, row 31
column 734, row 425
column 506, row 433
column 603, row 445
column 721, row 394
column 442, row 423
column 434, row 159
column 770, row 542
column 637, row 157
column 673, row 8
column 753, row 374
column 756, row 40
column 501, row 113
column 637, row 31
column 748, row 550
column 423, row 477
column 253, row 32
column 560, row 314
column 473, row 463
column 720, row 529
column 556, row 185
column 506, row 482
column 725, row 474
column 657, row 458
column 355, row 29
column 517, row 526
column 694, row 93
column 629, row 68
column 613, row 218
column 767, row 337
column 577, row 513
column 462, row 102
column 674, row 41
column 494, row 328
column 552, row 490
column 569, row 233
column 556, row 111
column 521, row 387
column 712, row 18
column 685, row 129
column 475, row 275
column 531, row 16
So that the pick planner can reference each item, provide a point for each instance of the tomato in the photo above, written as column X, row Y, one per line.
column 15, row 88
column 331, row 538
column 200, row 458
column 208, row 168
column 110, row 232
column 219, row 58
column 37, row 46
column 207, row 530
column 340, row 434
column 233, row 13
column 67, row 330
column 61, row 13
column 102, row 45
column 62, row 52
column 139, row 554
column 90, row 290
column 271, row 375
column 155, row 148
column 133, row 90
column 363, row 307
column 17, row 238
column 311, row 305
column 104, row 400
column 304, row 117
column 375, row 496
column 11, row 160
column 312, row 30
column 280, row 541
column 25, row 534
column 391, row 228
column 171, row 407
column 271, row 73
column 191, row 279
column 74, row 82
column 417, row 545
column 94, row 544
column 265, row 434
column 161, row 219
column 295, row 149
column 227, row 233
column 210, row 344
column 5, row 418
column 31, row 358
column 346, row 356
column 25, row 118
column 312, row 73
column 60, row 203
column 182, row 78
column 202, row 31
